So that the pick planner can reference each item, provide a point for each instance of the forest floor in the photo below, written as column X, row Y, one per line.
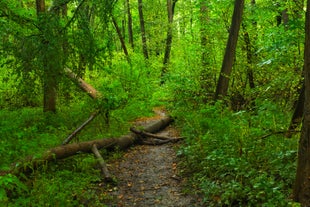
column 149, row 175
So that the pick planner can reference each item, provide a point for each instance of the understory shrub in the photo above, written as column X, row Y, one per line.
column 232, row 162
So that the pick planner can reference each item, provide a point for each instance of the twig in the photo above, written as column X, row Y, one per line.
column 278, row 132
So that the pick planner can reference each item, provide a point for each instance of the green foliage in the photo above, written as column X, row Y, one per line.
column 71, row 182
column 230, row 160
column 10, row 184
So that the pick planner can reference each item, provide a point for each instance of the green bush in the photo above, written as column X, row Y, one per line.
column 231, row 163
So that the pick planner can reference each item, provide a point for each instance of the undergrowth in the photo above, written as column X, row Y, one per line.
column 70, row 182
column 231, row 162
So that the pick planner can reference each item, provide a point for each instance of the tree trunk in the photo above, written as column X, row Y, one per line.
column 40, row 7
column 249, row 56
column 206, row 73
column 104, row 169
column 73, row 134
column 170, row 11
column 301, row 191
column 203, row 33
column 68, row 150
column 121, row 39
column 142, row 28
column 91, row 91
column 222, row 86
column 130, row 33
column 51, row 50
column 50, row 92
column 298, row 113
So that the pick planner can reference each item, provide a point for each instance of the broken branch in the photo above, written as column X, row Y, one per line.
column 73, row 134
column 104, row 169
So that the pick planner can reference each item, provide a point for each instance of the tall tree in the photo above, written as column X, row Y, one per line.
column 249, row 48
column 121, row 38
column 49, row 55
column 203, row 32
column 142, row 28
column 296, row 120
column 130, row 32
column 222, row 85
column 205, row 54
column 170, row 11
column 301, row 191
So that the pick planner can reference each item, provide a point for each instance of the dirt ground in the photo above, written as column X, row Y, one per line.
column 148, row 176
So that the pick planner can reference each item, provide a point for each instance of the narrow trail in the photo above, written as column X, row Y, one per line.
column 148, row 176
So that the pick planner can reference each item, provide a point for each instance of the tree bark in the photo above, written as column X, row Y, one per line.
column 91, row 91
column 68, row 150
column 73, row 134
column 203, row 33
column 222, row 86
column 249, row 56
column 301, row 190
column 142, row 28
column 40, row 7
column 206, row 73
column 50, row 50
column 170, row 11
column 298, row 113
column 130, row 33
column 104, row 169
column 121, row 39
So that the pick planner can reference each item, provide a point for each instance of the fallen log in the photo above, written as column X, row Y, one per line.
column 64, row 151
column 91, row 91
column 104, row 169
column 150, row 135
column 75, row 132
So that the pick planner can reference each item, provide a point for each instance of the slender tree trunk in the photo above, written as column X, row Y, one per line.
column 40, row 6
column 298, row 113
column 83, row 25
column 222, row 86
column 299, row 105
column 203, row 33
column 130, row 33
column 301, row 191
column 205, row 55
column 170, row 11
column 142, row 28
column 249, row 56
column 121, row 39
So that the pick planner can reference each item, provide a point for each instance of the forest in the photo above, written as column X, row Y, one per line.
column 231, row 78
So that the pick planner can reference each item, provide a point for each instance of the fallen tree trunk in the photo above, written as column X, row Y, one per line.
column 68, row 150
column 104, row 169
column 73, row 134
column 91, row 91
column 151, row 135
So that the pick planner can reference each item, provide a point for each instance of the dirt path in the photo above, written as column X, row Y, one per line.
column 147, row 176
